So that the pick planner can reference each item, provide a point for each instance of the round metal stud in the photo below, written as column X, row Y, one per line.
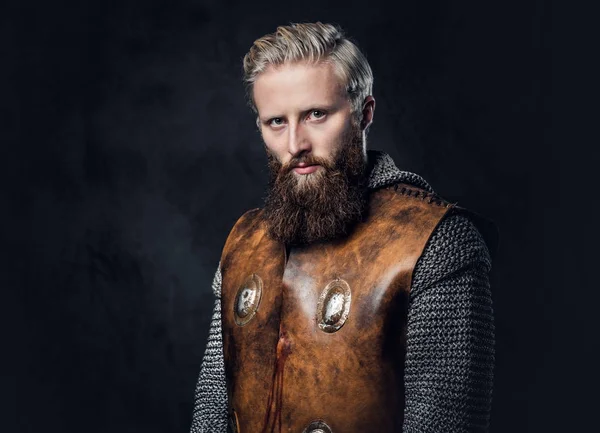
column 334, row 305
column 247, row 299
column 318, row 426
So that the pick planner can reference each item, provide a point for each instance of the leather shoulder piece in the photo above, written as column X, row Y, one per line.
column 244, row 226
column 487, row 227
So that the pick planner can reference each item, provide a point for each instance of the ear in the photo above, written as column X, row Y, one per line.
column 368, row 111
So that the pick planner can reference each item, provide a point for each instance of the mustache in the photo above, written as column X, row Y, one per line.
column 306, row 159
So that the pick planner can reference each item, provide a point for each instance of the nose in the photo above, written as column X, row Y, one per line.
column 297, row 141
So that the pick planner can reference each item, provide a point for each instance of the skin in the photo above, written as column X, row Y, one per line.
column 303, row 111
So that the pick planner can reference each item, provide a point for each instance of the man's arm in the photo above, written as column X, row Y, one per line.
column 210, row 407
column 450, row 341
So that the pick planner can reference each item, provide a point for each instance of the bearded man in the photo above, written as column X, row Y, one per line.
column 355, row 300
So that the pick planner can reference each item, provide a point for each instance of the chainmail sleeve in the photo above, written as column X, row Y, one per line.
column 450, row 334
column 210, row 407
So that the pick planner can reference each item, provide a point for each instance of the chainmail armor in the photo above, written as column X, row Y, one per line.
column 450, row 331
column 210, row 406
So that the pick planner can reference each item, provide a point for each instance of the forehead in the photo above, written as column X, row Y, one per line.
column 298, row 86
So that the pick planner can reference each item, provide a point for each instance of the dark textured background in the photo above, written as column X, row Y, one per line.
column 128, row 153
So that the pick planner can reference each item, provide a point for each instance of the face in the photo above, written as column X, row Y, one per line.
column 316, row 152
column 303, row 112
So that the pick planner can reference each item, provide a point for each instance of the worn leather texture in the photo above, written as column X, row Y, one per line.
column 282, row 370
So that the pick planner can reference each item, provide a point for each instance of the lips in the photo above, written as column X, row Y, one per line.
column 304, row 168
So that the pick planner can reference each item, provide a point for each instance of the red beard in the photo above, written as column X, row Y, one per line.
column 324, row 205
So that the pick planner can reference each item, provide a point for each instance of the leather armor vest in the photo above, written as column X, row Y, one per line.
column 315, row 341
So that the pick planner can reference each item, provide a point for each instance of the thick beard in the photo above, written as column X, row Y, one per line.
column 321, row 206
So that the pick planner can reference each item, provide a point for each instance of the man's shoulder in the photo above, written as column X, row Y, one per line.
column 404, row 197
column 247, row 225
column 409, row 192
column 248, row 217
column 247, row 222
column 485, row 227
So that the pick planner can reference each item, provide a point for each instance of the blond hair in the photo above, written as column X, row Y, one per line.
column 312, row 42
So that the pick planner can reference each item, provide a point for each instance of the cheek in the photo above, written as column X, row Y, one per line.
column 331, row 140
column 274, row 146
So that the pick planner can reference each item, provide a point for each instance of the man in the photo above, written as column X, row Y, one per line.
column 356, row 300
